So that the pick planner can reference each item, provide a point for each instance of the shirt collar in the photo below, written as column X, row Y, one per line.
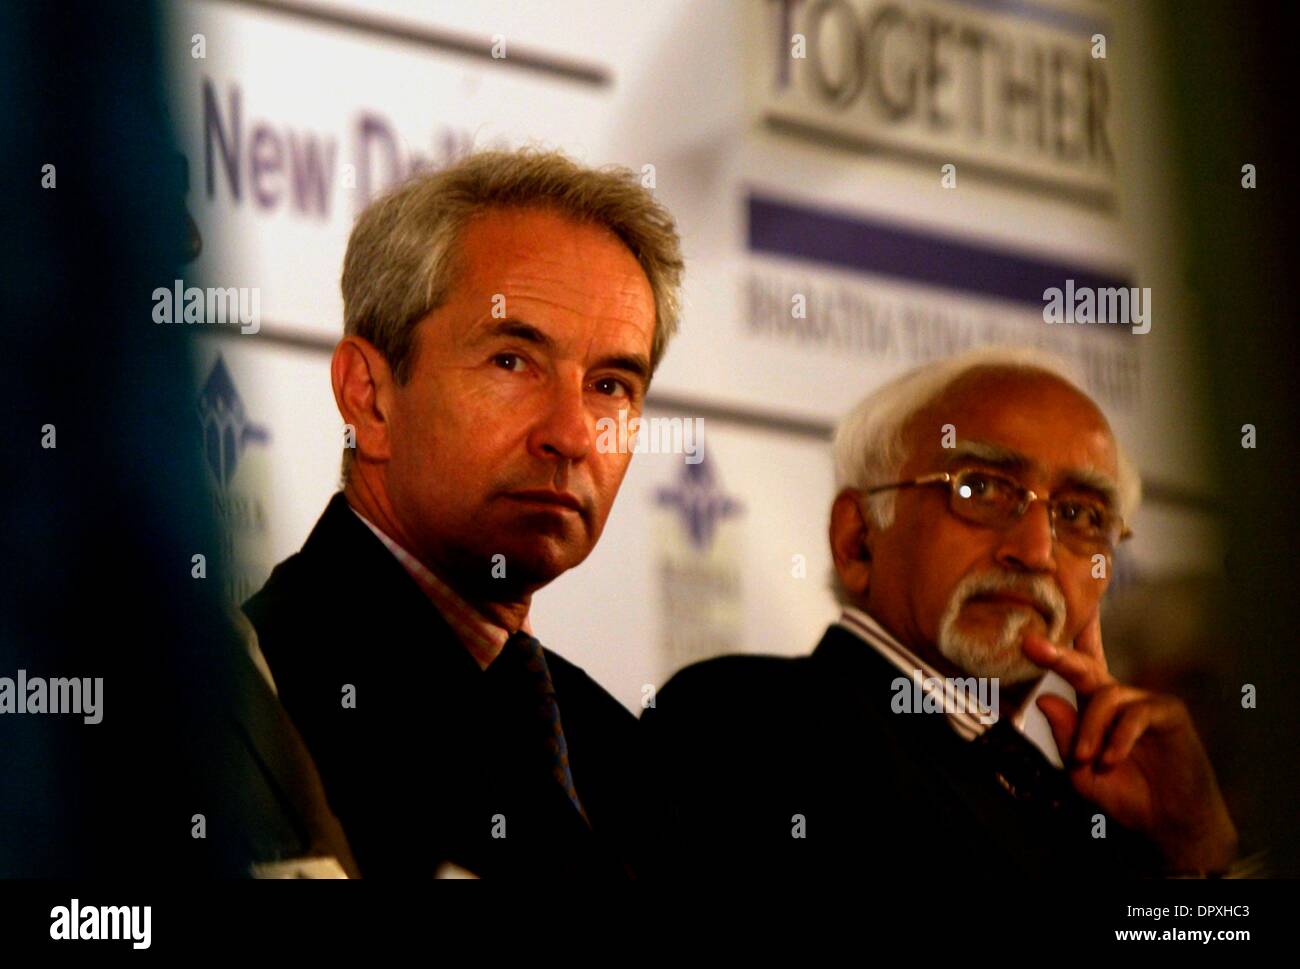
column 483, row 638
column 964, row 717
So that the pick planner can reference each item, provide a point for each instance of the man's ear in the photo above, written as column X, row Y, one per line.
column 850, row 549
column 363, row 385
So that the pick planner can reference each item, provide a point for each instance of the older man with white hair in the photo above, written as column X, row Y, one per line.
column 979, row 503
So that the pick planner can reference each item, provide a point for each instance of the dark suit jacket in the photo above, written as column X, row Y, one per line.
column 438, row 755
column 742, row 744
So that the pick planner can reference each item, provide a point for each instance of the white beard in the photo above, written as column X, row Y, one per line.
column 999, row 657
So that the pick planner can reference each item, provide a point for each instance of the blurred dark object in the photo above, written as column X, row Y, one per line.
column 99, row 530
column 1231, row 84
column 192, row 244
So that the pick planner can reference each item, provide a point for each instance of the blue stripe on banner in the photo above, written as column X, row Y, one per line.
column 1052, row 16
column 792, row 231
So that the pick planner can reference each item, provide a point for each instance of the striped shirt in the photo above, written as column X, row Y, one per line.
column 483, row 638
column 963, row 715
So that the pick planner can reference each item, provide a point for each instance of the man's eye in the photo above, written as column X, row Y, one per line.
column 612, row 387
column 1085, row 514
column 509, row 361
column 988, row 487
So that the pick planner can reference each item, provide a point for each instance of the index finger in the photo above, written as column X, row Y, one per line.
column 1085, row 673
column 1088, row 641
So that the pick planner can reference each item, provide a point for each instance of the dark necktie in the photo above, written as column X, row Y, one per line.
column 525, row 651
column 1020, row 767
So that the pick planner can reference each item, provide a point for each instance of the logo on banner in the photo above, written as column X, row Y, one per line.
column 699, row 551
column 227, row 434
column 700, row 504
column 226, row 427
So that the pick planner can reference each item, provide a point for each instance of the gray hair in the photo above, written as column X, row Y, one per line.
column 402, row 256
column 869, row 447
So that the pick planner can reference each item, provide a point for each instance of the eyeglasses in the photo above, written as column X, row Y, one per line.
column 1082, row 522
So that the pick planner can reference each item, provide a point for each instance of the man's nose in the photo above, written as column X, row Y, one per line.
column 1027, row 544
column 564, row 428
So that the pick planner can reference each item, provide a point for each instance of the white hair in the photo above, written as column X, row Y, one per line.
column 869, row 448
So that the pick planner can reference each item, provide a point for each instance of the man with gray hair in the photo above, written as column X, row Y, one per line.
column 494, row 313
column 979, row 503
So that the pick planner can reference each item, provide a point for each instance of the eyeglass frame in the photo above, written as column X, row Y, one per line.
column 1027, row 499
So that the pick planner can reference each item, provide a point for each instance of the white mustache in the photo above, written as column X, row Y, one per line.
column 1044, row 593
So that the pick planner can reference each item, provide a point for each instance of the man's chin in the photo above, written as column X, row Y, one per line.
column 529, row 568
column 1007, row 674
column 1012, row 671
column 992, row 656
